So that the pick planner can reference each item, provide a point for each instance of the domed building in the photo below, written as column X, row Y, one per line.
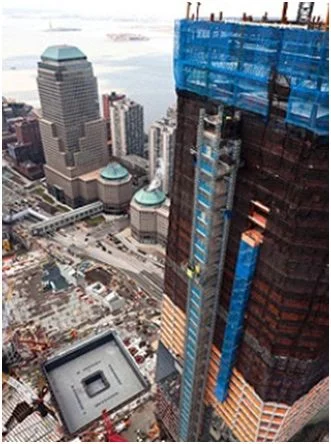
column 149, row 213
column 112, row 185
column 115, row 188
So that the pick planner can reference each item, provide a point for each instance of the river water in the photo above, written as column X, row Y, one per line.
column 141, row 69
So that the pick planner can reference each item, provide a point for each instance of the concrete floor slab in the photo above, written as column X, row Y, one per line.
column 96, row 374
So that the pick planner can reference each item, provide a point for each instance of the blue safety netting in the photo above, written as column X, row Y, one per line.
column 245, row 269
column 233, row 63
column 304, row 58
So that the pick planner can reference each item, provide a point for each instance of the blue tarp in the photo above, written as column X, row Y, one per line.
column 245, row 269
column 233, row 63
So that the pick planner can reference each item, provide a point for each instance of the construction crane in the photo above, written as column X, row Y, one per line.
column 24, row 390
column 35, row 342
column 112, row 432
column 111, row 435
column 33, row 345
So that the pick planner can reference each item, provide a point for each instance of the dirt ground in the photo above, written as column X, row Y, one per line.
column 142, row 419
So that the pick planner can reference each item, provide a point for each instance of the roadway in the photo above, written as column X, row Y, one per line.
column 147, row 276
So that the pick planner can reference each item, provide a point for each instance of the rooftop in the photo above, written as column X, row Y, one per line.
column 165, row 123
column 61, row 53
column 53, row 277
column 207, row 62
column 149, row 197
column 136, row 161
column 114, row 171
column 124, row 103
column 33, row 428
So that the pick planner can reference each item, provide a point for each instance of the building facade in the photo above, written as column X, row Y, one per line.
column 149, row 214
column 27, row 152
column 127, row 127
column 27, row 131
column 73, row 134
column 107, row 100
column 244, row 335
column 4, row 121
column 161, row 141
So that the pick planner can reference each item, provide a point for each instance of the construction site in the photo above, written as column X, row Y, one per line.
column 243, row 351
column 71, row 293
column 223, row 337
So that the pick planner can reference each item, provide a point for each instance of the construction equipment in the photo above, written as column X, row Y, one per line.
column 284, row 12
column 34, row 342
column 218, row 159
column 33, row 345
column 26, row 392
column 188, row 10
column 31, row 402
column 6, row 245
column 305, row 11
column 154, row 432
column 123, row 425
column 111, row 435
column 73, row 333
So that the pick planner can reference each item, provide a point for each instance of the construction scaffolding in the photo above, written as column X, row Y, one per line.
column 217, row 161
column 267, row 319
column 235, row 63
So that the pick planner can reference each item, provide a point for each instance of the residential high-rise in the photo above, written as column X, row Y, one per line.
column 161, row 142
column 27, row 131
column 172, row 113
column 243, row 353
column 73, row 134
column 127, row 127
column 107, row 100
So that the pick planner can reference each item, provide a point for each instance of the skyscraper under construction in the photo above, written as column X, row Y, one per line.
column 244, row 337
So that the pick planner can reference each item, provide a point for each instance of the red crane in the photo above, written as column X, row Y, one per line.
column 111, row 435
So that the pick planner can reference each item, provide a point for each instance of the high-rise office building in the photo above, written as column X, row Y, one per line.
column 243, row 353
column 161, row 142
column 127, row 127
column 73, row 134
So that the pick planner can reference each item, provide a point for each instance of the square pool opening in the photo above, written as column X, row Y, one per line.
column 94, row 375
column 95, row 383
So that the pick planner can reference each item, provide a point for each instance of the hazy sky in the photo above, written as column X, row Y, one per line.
column 167, row 9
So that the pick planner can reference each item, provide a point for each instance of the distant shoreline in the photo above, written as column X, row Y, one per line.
column 127, row 37
column 62, row 30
